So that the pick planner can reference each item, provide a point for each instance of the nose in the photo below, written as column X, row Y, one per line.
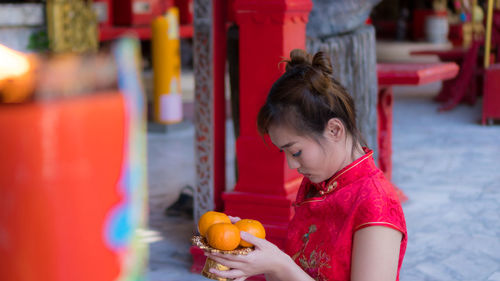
column 292, row 162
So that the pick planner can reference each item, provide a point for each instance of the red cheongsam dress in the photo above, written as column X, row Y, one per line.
column 321, row 233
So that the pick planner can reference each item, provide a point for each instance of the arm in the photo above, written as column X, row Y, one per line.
column 265, row 259
column 375, row 254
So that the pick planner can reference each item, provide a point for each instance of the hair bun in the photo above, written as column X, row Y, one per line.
column 321, row 62
column 298, row 57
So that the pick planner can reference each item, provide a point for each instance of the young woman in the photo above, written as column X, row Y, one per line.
column 348, row 223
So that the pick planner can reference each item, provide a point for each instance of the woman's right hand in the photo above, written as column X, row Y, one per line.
column 266, row 258
column 262, row 260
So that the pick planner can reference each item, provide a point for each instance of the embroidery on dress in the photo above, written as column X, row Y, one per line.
column 317, row 259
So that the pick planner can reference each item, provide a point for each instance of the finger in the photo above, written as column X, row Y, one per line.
column 230, row 257
column 232, row 274
column 224, row 261
column 240, row 279
column 234, row 219
column 259, row 243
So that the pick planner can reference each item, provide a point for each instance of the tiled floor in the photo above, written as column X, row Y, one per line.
column 446, row 163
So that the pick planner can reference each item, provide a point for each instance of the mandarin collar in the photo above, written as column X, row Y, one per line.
column 350, row 173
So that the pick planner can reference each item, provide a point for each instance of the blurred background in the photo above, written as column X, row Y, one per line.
column 122, row 121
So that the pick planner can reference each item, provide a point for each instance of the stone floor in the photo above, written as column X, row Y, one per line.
column 449, row 167
column 446, row 163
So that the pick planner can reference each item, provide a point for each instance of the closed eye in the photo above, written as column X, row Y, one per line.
column 297, row 154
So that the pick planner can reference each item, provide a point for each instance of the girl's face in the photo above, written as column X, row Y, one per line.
column 316, row 160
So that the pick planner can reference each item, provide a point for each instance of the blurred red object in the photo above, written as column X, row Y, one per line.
column 401, row 74
column 231, row 11
column 59, row 180
column 137, row 12
column 456, row 34
column 186, row 11
column 384, row 125
column 491, row 94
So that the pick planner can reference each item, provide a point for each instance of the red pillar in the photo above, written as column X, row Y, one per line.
column 219, row 103
column 384, row 124
column 266, row 187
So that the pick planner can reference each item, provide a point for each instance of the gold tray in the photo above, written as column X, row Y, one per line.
column 201, row 242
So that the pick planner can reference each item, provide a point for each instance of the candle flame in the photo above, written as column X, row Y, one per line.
column 12, row 63
column 17, row 79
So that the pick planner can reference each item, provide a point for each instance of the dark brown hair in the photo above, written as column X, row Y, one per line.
column 306, row 96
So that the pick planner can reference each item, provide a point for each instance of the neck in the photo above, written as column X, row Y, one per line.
column 358, row 152
column 353, row 152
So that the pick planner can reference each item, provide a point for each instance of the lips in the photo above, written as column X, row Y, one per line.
column 305, row 175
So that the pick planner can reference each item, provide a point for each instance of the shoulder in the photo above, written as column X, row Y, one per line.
column 375, row 187
column 377, row 204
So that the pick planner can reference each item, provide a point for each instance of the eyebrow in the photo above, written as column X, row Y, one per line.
column 288, row 144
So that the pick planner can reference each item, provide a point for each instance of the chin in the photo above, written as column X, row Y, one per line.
column 314, row 179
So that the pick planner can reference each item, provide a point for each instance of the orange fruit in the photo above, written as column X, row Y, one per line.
column 209, row 218
column 253, row 227
column 223, row 236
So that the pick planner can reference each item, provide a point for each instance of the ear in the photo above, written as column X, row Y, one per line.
column 335, row 129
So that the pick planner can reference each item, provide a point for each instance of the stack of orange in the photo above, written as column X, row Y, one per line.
column 221, row 234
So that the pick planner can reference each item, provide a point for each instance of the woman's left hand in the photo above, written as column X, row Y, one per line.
column 264, row 259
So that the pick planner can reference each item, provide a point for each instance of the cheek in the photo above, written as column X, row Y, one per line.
column 317, row 166
column 315, row 161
